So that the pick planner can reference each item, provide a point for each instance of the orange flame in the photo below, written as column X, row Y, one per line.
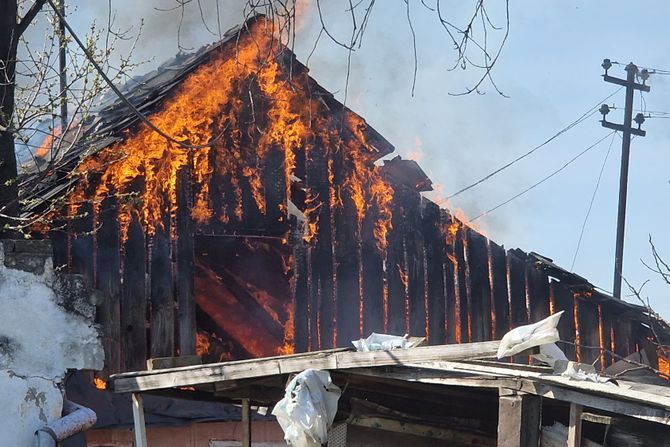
column 99, row 383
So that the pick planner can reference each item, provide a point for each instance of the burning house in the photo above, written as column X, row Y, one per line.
column 268, row 224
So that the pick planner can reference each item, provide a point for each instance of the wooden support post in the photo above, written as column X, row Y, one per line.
column 185, row 267
column 138, row 421
column 519, row 418
column 575, row 427
column 246, row 423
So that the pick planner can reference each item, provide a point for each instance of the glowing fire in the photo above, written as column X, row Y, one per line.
column 202, row 344
column 99, row 383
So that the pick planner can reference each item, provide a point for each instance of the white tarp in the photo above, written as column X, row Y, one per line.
column 381, row 342
column 308, row 408
column 528, row 336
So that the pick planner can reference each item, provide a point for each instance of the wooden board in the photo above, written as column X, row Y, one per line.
column 480, row 293
column 109, row 284
column 563, row 301
column 188, row 376
column 435, row 276
column 134, row 298
column 499, row 296
column 185, row 266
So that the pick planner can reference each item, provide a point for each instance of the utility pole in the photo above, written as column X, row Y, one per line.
column 62, row 68
column 627, row 131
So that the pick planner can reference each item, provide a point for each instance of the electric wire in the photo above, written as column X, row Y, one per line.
column 538, row 183
column 591, row 111
column 593, row 198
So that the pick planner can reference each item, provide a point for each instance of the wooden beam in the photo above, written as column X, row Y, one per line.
column 246, row 423
column 519, row 418
column 448, row 435
column 575, row 426
column 193, row 375
column 138, row 421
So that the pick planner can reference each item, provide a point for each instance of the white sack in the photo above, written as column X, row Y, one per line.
column 381, row 342
column 308, row 408
column 529, row 336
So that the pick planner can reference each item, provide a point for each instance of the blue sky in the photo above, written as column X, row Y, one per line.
column 549, row 68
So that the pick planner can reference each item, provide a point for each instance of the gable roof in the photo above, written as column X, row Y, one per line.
column 43, row 182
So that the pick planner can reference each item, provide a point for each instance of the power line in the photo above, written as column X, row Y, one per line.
column 568, row 163
column 579, row 120
column 593, row 197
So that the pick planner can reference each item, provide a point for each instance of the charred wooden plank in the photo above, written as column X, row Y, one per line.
column 300, row 288
column 318, row 180
column 563, row 301
column 81, row 256
column 462, row 305
column 414, row 257
column 396, row 273
column 347, row 250
column 516, row 288
column 499, row 298
column 162, row 294
column 480, row 302
column 373, row 275
column 435, row 276
column 185, row 266
column 588, row 330
column 537, row 289
column 451, row 291
column 109, row 283
column 134, row 298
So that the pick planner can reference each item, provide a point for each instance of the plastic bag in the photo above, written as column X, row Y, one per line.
column 528, row 336
column 381, row 342
column 308, row 408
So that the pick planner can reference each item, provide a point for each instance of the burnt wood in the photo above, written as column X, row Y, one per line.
column 499, row 297
column 414, row 263
column 563, row 301
column 435, row 275
column 480, row 293
column 186, row 326
column 109, row 283
column 162, row 294
column 373, row 275
column 134, row 299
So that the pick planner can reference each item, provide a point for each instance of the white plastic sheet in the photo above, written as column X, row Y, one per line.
column 308, row 408
column 528, row 336
column 381, row 342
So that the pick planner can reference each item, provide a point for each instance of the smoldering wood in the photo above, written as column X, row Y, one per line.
column 134, row 298
column 300, row 287
column 435, row 274
column 477, row 264
column 588, row 330
column 346, row 252
column 162, row 294
column 373, row 276
column 450, row 279
column 414, row 268
column 461, row 287
column 499, row 296
column 396, row 271
column 109, row 282
column 185, row 269
column 563, row 301
column 322, row 252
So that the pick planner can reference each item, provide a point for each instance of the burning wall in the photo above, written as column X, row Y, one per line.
column 283, row 229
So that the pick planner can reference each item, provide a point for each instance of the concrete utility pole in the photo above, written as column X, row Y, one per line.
column 627, row 131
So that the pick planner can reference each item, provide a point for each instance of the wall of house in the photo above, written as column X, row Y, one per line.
column 46, row 328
